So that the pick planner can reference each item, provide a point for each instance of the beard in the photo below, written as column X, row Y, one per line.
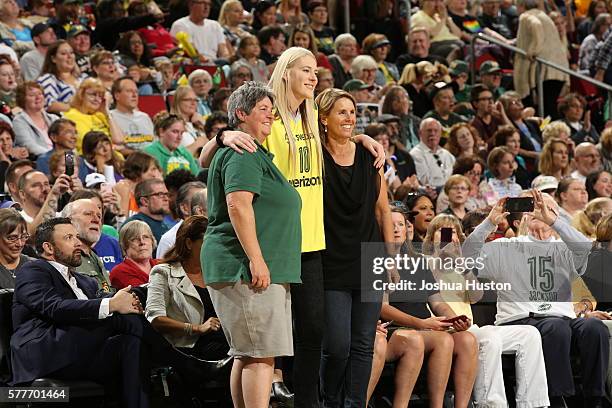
column 89, row 237
column 71, row 260
column 159, row 211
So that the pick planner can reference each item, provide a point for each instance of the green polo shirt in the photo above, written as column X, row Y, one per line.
column 276, row 206
column 92, row 266
column 170, row 161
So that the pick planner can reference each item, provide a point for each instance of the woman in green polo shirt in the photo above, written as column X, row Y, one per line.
column 252, row 208
column 167, row 150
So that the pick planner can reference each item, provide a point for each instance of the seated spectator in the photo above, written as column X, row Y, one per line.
column 232, row 19
column 490, row 74
column 104, row 68
column 459, row 72
column 364, row 68
column 79, row 38
column 360, row 91
column 168, row 150
column 152, row 199
column 183, row 210
column 605, row 149
column 219, row 99
column 586, row 220
column 184, row 105
column 199, row 203
column 240, row 73
column 8, row 151
column 324, row 35
column 397, row 103
column 89, row 110
column 107, row 201
column 215, row 122
column 201, row 83
column 501, row 164
column 554, row 160
column 378, row 47
column 137, row 243
column 445, row 35
column 178, row 303
column 14, row 30
column 414, row 79
column 325, row 80
column 272, row 43
column 32, row 124
column 290, row 12
column 492, row 19
column 100, row 157
column 473, row 168
column 586, row 161
column 302, row 36
column 136, row 126
column 8, row 83
column 134, row 50
column 174, row 181
column 59, row 77
column 572, row 197
column 509, row 137
column 599, row 184
column 424, row 208
column 572, row 110
column 345, row 47
column 249, row 52
column 457, row 188
column 418, row 43
column 62, row 133
column 558, row 129
column 66, row 13
column 464, row 141
column 264, row 14
column 596, row 34
column 443, row 99
column 112, row 20
column 13, row 238
column 12, row 172
column 489, row 115
column 32, row 61
column 434, row 164
column 206, row 35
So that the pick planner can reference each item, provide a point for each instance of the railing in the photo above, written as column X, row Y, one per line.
column 539, row 88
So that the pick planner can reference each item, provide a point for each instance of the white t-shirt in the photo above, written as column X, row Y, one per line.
column 137, row 128
column 206, row 38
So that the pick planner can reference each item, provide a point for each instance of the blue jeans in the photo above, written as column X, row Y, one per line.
column 348, row 343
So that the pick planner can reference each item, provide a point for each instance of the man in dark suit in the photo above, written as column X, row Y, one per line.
column 64, row 330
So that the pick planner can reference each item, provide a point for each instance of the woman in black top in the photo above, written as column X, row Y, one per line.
column 356, row 209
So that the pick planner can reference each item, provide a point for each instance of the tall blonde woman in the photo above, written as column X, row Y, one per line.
column 296, row 145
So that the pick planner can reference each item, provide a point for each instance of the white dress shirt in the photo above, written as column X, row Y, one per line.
column 432, row 168
column 104, row 311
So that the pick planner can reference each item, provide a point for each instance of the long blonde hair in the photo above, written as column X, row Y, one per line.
column 224, row 10
column 279, row 83
column 412, row 72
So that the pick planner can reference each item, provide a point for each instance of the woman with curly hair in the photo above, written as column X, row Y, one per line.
column 464, row 141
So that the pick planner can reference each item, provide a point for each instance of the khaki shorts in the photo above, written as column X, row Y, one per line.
column 255, row 323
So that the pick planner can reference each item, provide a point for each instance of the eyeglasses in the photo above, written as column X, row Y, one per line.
column 14, row 238
column 107, row 62
column 95, row 95
column 160, row 194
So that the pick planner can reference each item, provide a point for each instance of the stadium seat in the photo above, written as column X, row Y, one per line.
column 152, row 104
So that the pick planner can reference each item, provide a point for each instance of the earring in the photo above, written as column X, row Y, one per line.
column 325, row 129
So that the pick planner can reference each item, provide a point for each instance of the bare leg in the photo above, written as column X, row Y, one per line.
column 255, row 376
column 236, row 383
column 278, row 375
column 407, row 348
column 439, row 347
column 465, row 364
column 378, row 362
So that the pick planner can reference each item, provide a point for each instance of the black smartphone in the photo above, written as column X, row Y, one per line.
column 69, row 157
column 446, row 235
column 519, row 204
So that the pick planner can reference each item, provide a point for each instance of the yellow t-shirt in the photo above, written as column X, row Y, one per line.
column 421, row 19
column 86, row 123
column 305, row 175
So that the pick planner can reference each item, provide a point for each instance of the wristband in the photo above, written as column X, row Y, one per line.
column 219, row 134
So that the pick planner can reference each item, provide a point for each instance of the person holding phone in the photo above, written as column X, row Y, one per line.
column 89, row 111
column 556, row 253
column 443, row 240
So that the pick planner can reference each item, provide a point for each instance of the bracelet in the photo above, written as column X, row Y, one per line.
column 188, row 329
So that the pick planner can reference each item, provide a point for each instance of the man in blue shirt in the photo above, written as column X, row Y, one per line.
column 153, row 204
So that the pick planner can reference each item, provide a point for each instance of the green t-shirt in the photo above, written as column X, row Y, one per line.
column 170, row 161
column 276, row 206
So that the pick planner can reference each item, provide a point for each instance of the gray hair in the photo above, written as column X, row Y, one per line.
column 198, row 200
column 183, row 193
column 134, row 229
column 426, row 121
column 342, row 39
column 245, row 98
column 68, row 210
column 196, row 74
column 362, row 62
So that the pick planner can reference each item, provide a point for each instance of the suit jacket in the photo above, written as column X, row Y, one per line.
column 48, row 320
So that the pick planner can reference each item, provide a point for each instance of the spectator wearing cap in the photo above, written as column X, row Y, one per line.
column 434, row 164
column 443, row 99
column 397, row 103
column 490, row 76
column 359, row 89
column 31, row 125
column 367, row 110
column 445, row 35
column 324, row 35
column 206, row 35
column 14, row 30
column 535, row 25
column 460, row 74
column 137, row 126
column 32, row 61
column 79, row 38
column 489, row 115
column 345, row 46
column 545, row 184
column 272, row 41
column 378, row 46
column 418, row 44
column 153, row 205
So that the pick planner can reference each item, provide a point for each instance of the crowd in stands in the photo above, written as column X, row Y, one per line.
column 188, row 180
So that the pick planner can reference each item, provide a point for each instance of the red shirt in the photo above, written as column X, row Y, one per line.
column 129, row 273
column 159, row 36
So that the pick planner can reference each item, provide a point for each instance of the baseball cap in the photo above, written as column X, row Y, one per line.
column 76, row 30
column 39, row 28
column 356, row 85
column 93, row 179
column 437, row 87
column 459, row 67
column 542, row 183
column 380, row 44
column 489, row 67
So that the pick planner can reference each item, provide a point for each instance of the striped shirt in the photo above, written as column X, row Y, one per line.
column 55, row 90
